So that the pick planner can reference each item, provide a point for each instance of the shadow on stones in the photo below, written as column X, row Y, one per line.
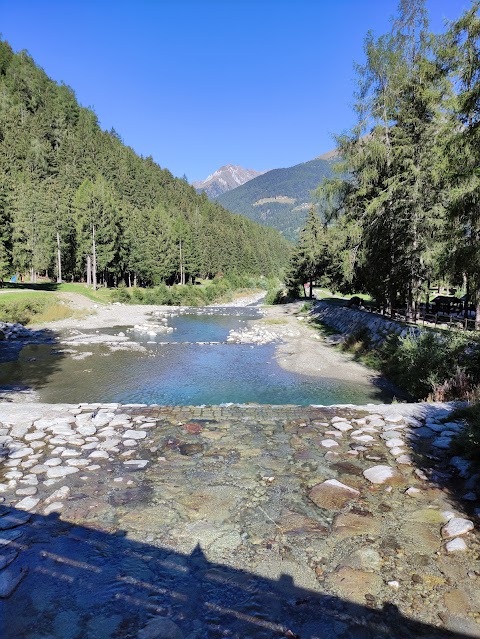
column 78, row 582
column 460, row 484
column 27, row 363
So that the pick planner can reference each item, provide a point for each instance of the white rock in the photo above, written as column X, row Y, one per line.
column 98, row 454
column 456, row 545
column 28, row 490
column 336, row 484
column 13, row 474
column 342, row 426
column 134, row 434
column 56, row 506
column 404, row 460
column 393, row 584
column 380, row 474
column 28, row 503
column 456, row 527
column 61, row 471
column 140, row 463
column 30, row 437
column 87, row 429
column 39, row 468
column 20, row 452
column 395, row 443
column 132, row 442
column 394, row 418
column 20, row 430
column 55, row 461
column 328, row 443
column 68, row 452
column 396, row 450
column 77, row 462
column 57, row 495
column 363, row 438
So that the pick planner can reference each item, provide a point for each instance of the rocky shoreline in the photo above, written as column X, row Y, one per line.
column 363, row 506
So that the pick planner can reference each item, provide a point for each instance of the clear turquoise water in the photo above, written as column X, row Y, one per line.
column 180, row 372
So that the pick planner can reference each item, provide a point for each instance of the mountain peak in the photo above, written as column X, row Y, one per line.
column 225, row 179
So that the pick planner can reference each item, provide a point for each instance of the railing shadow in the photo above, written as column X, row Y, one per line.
column 76, row 582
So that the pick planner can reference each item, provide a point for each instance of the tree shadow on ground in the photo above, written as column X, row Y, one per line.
column 461, row 482
column 28, row 286
column 79, row 582
column 27, row 363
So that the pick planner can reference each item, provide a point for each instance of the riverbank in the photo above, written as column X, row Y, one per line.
column 271, row 520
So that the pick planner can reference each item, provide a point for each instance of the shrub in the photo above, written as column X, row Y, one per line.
column 274, row 296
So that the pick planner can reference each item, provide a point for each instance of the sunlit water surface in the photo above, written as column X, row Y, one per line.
column 180, row 372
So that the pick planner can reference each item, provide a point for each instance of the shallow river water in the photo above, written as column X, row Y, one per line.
column 192, row 365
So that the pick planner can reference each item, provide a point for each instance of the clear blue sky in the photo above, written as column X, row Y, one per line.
column 202, row 83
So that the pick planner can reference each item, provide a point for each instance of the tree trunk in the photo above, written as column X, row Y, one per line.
column 59, row 260
column 94, row 261
column 89, row 270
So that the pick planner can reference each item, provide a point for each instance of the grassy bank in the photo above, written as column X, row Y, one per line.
column 27, row 308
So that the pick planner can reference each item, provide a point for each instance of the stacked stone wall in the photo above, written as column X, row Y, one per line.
column 349, row 321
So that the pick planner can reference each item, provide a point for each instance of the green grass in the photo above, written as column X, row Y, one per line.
column 25, row 308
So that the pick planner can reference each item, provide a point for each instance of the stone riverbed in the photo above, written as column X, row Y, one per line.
column 121, row 521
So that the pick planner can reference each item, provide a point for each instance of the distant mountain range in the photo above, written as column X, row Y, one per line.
column 280, row 198
column 225, row 179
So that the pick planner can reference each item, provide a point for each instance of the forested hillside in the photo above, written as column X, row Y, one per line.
column 279, row 198
column 66, row 187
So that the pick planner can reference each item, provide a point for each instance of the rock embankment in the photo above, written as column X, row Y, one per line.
column 14, row 331
column 156, row 505
column 348, row 321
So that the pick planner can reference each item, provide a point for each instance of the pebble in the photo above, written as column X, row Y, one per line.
column 456, row 545
column 140, row 463
column 28, row 503
column 328, row 443
column 55, row 506
column 380, row 474
column 98, row 454
column 456, row 527
column 135, row 434
column 61, row 471
column 21, row 452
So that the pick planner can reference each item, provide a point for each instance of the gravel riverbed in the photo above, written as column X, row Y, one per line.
column 235, row 521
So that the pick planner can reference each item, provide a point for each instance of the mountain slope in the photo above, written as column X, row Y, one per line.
column 64, row 182
column 225, row 179
column 280, row 198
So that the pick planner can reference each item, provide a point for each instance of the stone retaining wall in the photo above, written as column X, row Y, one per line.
column 348, row 321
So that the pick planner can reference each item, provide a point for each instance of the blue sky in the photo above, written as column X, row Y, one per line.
column 202, row 83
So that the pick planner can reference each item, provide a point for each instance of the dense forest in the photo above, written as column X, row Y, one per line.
column 71, row 193
column 294, row 183
column 404, row 208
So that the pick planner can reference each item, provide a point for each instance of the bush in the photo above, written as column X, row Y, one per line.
column 274, row 296
column 467, row 443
